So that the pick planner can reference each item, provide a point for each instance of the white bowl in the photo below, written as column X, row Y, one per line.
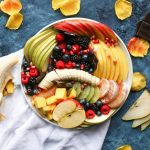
column 128, row 81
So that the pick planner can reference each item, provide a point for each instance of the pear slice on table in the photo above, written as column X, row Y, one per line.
column 140, row 108
column 138, row 122
column 145, row 125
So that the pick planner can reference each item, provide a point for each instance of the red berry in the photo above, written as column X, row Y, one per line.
column 75, row 48
column 90, row 114
column 25, row 79
column 69, row 65
column 59, row 38
column 60, row 64
column 105, row 109
column 33, row 72
column 85, row 52
column 71, row 53
column 62, row 46
column 82, row 67
column 64, row 51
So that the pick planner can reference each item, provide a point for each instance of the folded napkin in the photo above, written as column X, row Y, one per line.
column 24, row 130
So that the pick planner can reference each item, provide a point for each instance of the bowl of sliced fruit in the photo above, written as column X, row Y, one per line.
column 76, row 73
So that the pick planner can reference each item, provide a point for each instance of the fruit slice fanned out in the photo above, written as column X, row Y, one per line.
column 10, row 7
column 113, row 92
column 138, row 47
column 103, row 30
column 104, row 87
column 118, row 101
column 71, row 8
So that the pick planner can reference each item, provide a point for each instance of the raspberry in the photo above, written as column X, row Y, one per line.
column 60, row 64
column 62, row 46
column 105, row 109
column 69, row 65
column 90, row 114
column 75, row 48
column 59, row 38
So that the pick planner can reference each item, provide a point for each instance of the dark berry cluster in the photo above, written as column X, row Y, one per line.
column 29, row 77
column 97, row 108
column 72, row 52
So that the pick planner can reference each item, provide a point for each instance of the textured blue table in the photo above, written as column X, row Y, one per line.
column 38, row 13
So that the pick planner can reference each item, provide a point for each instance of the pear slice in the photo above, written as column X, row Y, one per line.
column 145, row 125
column 138, row 122
column 140, row 108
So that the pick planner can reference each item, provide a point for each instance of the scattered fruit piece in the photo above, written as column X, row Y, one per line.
column 14, row 21
column 90, row 114
column 72, row 8
column 40, row 102
column 123, row 9
column 124, row 147
column 105, row 109
column 138, row 47
column 10, row 7
column 139, row 122
column 138, row 81
column 145, row 125
column 56, row 4
column 140, row 108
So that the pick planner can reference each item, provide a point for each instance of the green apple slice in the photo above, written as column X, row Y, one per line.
column 91, row 93
column 96, row 95
column 84, row 94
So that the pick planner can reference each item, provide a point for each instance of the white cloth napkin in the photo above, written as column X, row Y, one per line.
column 24, row 130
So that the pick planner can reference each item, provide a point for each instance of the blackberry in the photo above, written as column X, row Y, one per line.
column 83, row 41
column 50, row 68
column 25, row 64
column 32, row 81
column 86, row 66
column 75, row 58
column 78, row 66
column 57, row 56
column 94, row 108
column 71, row 40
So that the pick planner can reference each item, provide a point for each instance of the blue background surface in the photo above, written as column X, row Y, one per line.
column 38, row 13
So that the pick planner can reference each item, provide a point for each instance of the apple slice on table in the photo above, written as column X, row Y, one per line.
column 69, row 114
column 140, row 108
column 145, row 125
column 138, row 122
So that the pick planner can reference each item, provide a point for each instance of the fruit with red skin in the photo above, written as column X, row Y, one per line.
column 75, row 48
column 105, row 109
column 60, row 64
column 69, row 65
column 59, row 38
column 33, row 72
column 62, row 46
column 90, row 114
column 24, row 78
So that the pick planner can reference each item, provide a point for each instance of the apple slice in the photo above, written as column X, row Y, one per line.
column 113, row 92
column 138, row 122
column 69, row 114
column 145, row 125
column 104, row 87
column 66, row 107
column 72, row 120
column 140, row 108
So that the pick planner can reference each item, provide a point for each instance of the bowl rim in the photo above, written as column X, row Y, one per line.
column 129, row 78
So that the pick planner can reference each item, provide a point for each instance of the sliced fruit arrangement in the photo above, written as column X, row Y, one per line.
column 139, row 112
column 75, row 73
